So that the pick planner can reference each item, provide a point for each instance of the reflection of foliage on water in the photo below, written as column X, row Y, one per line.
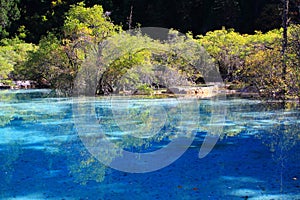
column 26, row 106
column 87, row 168
column 7, row 114
column 215, row 118
column 277, row 127
column 236, row 121
column 49, row 117
column 280, row 133
column 135, row 135
column 275, row 124
column 257, row 118
column 283, row 130
column 139, row 124
column 242, row 117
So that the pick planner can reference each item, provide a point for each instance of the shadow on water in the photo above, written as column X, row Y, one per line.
column 42, row 157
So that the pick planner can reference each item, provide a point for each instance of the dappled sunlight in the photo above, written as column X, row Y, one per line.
column 241, row 179
column 36, row 196
column 259, row 195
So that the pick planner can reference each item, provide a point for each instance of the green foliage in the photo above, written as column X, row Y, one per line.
column 87, row 23
column 87, row 169
column 83, row 29
column 198, row 16
column 293, row 61
column 48, row 64
column 57, row 62
column 187, row 57
column 263, row 55
column 256, row 60
column 9, row 12
column 228, row 48
column 124, row 61
column 264, row 66
column 145, row 89
column 22, row 32
column 129, row 60
column 13, row 54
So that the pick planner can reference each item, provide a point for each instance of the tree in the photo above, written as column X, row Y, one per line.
column 257, row 60
column 56, row 63
column 124, row 58
column 9, row 12
column 228, row 48
column 284, row 41
column 85, row 28
column 132, row 61
column 87, row 23
column 48, row 65
column 293, row 60
column 13, row 54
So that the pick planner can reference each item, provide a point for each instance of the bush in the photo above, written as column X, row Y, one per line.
column 145, row 90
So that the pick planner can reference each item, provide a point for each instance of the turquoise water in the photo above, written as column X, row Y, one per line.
column 44, row 154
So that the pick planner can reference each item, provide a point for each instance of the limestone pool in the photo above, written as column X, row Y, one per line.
column 44, row 153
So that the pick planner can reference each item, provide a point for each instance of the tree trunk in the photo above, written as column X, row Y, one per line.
column 130, row 18
column 284, row 44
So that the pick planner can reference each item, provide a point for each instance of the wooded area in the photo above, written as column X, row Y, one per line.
column 49, row 42
column 36, row 17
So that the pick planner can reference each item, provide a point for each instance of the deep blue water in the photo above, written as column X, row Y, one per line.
column 43, row 154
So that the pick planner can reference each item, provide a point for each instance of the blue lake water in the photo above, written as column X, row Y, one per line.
column 45, row 153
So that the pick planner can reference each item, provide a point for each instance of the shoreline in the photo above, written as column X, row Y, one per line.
column 215, row 92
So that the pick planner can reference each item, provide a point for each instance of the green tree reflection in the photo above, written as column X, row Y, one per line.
column 131, row 126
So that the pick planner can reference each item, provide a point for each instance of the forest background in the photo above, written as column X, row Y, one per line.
column 253, row 43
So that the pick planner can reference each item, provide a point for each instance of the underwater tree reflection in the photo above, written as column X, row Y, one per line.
column 281, row 136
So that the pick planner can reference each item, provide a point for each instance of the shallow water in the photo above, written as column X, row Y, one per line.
column 44, row 153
